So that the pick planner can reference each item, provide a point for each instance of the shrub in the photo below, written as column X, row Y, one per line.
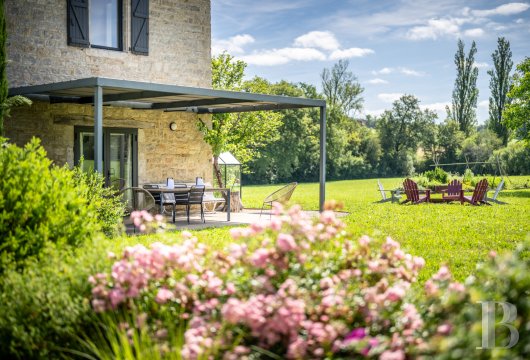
column 437, row 175
column 39, row 204
column 109, row 207
column 515, row 158
column 306, row 291
column 44, row 307
column 500, row 279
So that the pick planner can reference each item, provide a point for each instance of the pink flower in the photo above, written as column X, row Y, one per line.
column 392, row 355
column 355, row 335
column 444, row 329
column 395, row 293
column 364, row 241
column 442, row 274
column 163, row 296
column 456, row 287
column 285, row 242
column 116, row 297
column 260, row 258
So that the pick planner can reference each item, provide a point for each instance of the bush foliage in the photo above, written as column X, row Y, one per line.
column 44, row 204
column 39, row 203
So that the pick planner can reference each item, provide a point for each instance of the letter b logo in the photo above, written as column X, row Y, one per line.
column 488, row 323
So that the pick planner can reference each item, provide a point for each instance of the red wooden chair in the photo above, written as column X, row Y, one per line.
column 413, row 193
column 453, row 192
column 478, row 194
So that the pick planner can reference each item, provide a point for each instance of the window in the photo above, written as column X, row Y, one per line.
column 105, row 23
column 95, row 23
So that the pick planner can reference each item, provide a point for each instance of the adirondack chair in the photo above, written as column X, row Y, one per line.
column 479, row 194
column 413, row 193
column 453, row 192
column 394, row 194
column 497, row 191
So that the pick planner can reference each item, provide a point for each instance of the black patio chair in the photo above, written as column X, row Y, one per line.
column 196, row 197
column 282, row 195
column 164, row 199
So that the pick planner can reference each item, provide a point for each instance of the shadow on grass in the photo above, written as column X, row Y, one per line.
column 516, row 193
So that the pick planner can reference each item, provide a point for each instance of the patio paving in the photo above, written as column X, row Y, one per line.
column 218, row 219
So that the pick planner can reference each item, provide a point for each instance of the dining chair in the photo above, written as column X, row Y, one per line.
column 196, row 197
column 164, row 198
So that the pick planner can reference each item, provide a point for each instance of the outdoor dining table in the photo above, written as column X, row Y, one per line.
column 180, row 190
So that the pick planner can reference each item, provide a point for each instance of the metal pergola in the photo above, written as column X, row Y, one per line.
column 99, row 91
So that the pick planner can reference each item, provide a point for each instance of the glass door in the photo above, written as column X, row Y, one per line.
column 119, row 154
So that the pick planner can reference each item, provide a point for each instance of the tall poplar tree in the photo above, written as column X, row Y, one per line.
column 500, row 85
column 465, row 93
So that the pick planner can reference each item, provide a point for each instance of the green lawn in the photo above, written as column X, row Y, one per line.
column 451, row 234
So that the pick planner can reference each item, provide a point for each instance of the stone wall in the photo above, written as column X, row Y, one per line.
column 179, row 45
column 179, row 54
column 181, row 154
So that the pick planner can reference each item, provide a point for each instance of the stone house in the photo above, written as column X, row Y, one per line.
column 56, row 40
column 122, row 84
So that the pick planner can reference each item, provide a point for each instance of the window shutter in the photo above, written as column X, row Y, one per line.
column 140, row 26
column 77, row 17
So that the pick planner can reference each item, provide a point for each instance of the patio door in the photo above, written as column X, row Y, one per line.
column 120, row 153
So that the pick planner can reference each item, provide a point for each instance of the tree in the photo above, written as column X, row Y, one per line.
column 343, row 96
column 516, row 114
column 241, row 133
column 499, row 86
column 6, row 103
column 294, row 155
column 400, row 131
column 465, row 92
column 341, row 88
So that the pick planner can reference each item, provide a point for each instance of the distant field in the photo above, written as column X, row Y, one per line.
column 451, row 234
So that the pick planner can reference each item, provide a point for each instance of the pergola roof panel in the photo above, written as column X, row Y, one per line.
column 162, row 96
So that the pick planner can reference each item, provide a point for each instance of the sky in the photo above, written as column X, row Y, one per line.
column 394, row 47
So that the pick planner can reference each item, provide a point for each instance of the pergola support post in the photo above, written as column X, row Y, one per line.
column 98, row 129
column 322, row 198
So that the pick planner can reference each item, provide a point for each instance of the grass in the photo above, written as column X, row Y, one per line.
column 452, row 234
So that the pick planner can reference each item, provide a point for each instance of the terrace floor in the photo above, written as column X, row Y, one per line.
column 218, row 219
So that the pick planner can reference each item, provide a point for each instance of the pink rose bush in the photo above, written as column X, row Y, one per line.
column 307, row 290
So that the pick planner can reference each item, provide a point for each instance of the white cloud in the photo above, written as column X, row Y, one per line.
column 484, row 103
column 389, row 97
column 233, row 45
column 436, row 28
column 476, row 32
column 401, row 70
column 506, row 9
column 377, row 81
column 437, row 107
column 349, row 53
column 519, row 21
column 383, row 71
column 324, row 40
column 410, row 72
column 282, row 56
column 481, row 65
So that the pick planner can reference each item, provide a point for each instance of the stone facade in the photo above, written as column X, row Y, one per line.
column 162, row 153
column 179, row 45
column 179, row 54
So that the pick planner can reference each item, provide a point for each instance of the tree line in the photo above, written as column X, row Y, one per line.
column 283, row 146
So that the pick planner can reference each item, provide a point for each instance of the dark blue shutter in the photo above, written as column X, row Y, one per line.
column 77, row 17
column 140, row 26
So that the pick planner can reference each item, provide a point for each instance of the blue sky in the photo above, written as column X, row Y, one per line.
column 394, row 47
